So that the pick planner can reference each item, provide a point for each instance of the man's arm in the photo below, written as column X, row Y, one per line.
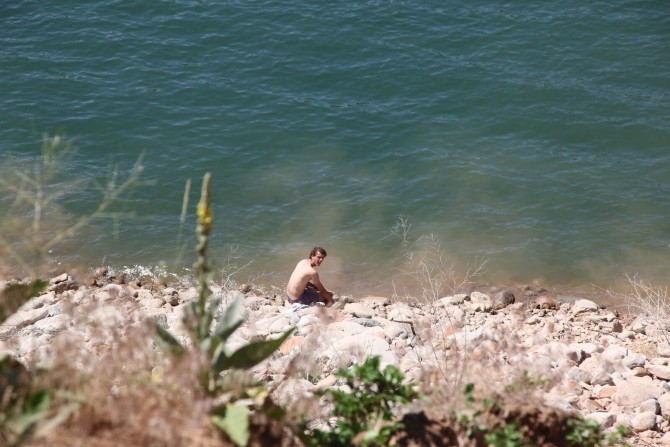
column 325, row 294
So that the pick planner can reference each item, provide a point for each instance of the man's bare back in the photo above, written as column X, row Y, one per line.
column 304, row 285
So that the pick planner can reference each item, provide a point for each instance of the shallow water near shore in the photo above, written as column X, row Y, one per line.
column 532, row 136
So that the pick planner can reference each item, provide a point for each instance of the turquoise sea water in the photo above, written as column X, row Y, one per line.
column 536, row 136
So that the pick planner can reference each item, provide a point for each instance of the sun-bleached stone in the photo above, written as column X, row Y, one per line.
column 54, row 324
column 659, row 371
column 663, row 349
column 454, row 300
column 634, row 360
column 359, row 310
column 583, row 306
column 614, row 354
column 643, row 421
column 650, row 405
column 604, row 418
column 664, row 403
column 480, row 302
column 633, row 393
column 400, row 313
column 375, row 301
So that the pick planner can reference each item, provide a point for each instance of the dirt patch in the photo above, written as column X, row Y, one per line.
column 539, row 426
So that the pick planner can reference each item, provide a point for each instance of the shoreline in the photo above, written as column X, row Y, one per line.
column 615, row 297
column 591, row 360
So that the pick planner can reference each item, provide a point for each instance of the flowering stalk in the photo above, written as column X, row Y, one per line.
column 203, row 230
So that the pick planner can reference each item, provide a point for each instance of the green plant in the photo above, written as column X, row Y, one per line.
column 589, row 433
column 525, row 382
column 505, row 431
column 470, row 419
column 219, row 377
column 22, row 408
column 366, row 414
column 507, row 436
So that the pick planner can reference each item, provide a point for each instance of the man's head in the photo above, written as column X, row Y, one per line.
column 316, row 250
column 317, row 255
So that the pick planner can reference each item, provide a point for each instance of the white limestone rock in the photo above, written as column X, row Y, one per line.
column 359, row 310
column 480, row 302
column 604, row 418
column 664, row 402
column 633, row 393
column 643, row 421
column 659, row 371
column 583, row 306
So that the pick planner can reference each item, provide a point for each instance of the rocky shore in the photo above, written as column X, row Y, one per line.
column 574, row 355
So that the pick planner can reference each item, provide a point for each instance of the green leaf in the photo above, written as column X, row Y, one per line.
column 228, row 324
column 167, row 341
column 34, row 409
column 206, row 319
column 234, row 422
column 219, row 358
column 252, row 354
column 230, row 320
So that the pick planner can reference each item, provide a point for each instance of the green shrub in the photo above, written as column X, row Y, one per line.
column 366, row 414
column 475, row 419
column 507, row 436
column 589, row 433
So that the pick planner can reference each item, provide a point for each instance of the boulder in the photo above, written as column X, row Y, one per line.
column 363, row 345
column 659, row 371
column 480, row 302
column 400, row 312
column 374, row 302
column 634, row 360
column 25, row 318
column 633, row 393
column 359, row 310
column 54, row 324
column 583, row 306
column 504, row 299
column 643, row 421
column 664, row 403
column 454, row 300
column 604, row 418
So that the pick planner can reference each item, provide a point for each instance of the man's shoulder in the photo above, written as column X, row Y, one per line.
column 304, row 264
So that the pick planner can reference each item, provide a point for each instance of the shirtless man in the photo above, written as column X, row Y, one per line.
column 304, row 286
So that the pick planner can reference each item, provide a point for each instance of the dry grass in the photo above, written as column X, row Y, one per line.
column 123, row 389
column 432, row 275
column 32, row 222
column 650, row 304
column 431, row 272
column 456, row 346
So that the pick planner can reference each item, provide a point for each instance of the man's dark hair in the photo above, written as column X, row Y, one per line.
column 316, row 250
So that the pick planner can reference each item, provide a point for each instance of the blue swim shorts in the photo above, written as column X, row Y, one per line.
column 308, row 297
